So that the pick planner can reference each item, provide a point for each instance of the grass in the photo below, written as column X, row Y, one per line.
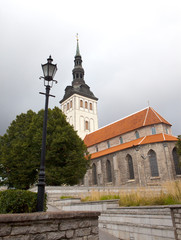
column 169, row 194
column 65, row 197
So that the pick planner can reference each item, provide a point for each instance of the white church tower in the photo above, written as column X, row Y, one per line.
column 79, row 104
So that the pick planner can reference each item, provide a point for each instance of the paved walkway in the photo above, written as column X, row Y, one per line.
column 102, row 234
column 106, row 236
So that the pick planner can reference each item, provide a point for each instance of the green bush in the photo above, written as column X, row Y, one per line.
column 18, row 201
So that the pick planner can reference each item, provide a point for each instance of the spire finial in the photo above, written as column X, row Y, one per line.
column 77, row 50
column 77, row 37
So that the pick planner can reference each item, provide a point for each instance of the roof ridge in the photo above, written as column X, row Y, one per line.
column 117, row 120
column 156, row 114
column 146, row 116
column 142, row 140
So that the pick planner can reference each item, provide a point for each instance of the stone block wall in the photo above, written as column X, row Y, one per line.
column 176, row 216
column 140, row 223
column 49, row 226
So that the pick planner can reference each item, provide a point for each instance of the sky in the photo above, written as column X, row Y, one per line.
column 131, row 52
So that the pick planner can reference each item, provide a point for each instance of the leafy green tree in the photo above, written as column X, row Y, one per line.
column 178, row 146
column 20, row 150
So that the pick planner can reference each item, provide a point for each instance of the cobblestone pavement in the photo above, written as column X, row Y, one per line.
column 106, row 236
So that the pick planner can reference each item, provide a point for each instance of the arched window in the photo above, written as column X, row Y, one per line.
column 153, row 130
column 94, row 174
column 71, row 104
column 153, row 163
column 137, row 134
column 67, row 106
column 108, row 144
column 81, row 103
column 121, row 140
column 108, row 171
column 130, row 167
column 97, row 148
column 86, row 106
column 176, row 162
column 86, row 125
column 90, row 106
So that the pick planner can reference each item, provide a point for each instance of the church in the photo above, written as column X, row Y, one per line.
column 138, row 150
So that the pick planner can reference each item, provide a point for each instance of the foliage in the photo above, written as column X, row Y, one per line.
column 178, row 145
column 66, row 197
column 18, row 201
column 20, row 150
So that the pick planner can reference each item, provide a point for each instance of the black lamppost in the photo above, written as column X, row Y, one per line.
column 49, row 71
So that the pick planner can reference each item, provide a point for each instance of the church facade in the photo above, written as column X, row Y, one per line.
column 138, row 150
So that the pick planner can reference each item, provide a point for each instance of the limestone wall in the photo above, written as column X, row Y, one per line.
column 140, row 223
column 49, row 226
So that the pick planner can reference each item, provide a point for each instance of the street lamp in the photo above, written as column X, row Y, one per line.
column 49, row 71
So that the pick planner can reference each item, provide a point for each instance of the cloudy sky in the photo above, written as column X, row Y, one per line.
column 131, row 51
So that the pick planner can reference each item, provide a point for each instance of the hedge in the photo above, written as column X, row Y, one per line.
column 18, row 201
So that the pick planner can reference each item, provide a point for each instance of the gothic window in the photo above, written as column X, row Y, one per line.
column 94, row 174
column 137, row 134
column 121, row 140
column 77, row 75
column 86, row 106
column 176, row 162
column 81, row 103
column 153, row 163
column 153, row 130
column 130, row 167
column 97, row 148
column 71, row 104
column 108, row 144
column 90, row 106
column 86, row 125
column 108, row 171
column 81, row 75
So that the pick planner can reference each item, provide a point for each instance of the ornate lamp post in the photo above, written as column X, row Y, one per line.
column 49, row 71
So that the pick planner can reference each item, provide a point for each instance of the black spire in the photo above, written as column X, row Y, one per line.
column 78, row 84
column 78, row 71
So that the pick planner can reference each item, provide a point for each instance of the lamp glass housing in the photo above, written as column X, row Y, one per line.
column 49, row 69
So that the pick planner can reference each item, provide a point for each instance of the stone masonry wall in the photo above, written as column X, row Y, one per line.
column 176, row 216
column 49, row 226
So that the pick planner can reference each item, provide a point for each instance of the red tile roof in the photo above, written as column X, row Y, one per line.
column 145, row 117
column 137, row 142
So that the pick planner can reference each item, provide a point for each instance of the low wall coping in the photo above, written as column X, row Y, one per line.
column 96, row 202
column 39, row 216
column 149, row 207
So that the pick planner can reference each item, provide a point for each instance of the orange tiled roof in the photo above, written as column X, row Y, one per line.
column 137, row 142
column 145, row 117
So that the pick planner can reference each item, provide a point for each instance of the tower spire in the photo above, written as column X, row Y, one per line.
column 77, row 50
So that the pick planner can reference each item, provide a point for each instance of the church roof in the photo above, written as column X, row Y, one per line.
column 145, row 117
column 137, row 142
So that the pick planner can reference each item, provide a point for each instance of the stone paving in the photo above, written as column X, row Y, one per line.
column 106, row 236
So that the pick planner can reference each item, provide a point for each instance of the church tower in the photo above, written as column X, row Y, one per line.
column 79, row 104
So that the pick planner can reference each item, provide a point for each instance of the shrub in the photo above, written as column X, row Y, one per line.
column 18, row 201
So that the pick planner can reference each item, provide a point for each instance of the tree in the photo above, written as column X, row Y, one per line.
column 20, row 150
column 178, row 146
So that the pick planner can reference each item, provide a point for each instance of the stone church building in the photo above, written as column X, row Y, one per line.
column 138, row 150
